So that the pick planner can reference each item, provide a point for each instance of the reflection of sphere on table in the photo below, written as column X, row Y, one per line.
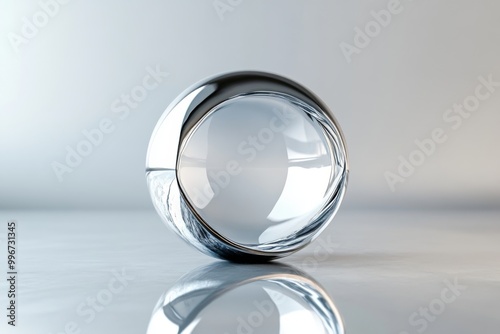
column 225, row 298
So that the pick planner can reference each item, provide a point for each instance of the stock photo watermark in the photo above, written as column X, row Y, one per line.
column 363, row 36
column 453, row 118
column 121, row 108
column 323, row 249
column 262, row 309
column 248, row 323
column 425, row 315
column 12, row 272
column 266, row 308
column 87, row 310
column 32, row 25
column 223, row 7
column 247, row 149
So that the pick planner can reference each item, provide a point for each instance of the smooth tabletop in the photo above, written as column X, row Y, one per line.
column 385, row 271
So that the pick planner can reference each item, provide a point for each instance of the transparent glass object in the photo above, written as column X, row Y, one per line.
column 227, row 298
column 247, row 166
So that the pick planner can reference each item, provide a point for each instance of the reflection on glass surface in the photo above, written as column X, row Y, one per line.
column 224, row 298
column 258, row 168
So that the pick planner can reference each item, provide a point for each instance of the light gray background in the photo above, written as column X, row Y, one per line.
column 379, row 266
column 395, row 91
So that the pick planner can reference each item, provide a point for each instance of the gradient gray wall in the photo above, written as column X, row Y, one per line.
column 387, row 90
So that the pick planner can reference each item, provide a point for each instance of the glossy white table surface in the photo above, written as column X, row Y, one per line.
column 382, row 269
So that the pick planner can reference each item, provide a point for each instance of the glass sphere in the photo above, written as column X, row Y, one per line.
column 247, row 166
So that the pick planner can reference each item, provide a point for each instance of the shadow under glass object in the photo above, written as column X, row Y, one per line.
column 230, row 298
column 247, row 166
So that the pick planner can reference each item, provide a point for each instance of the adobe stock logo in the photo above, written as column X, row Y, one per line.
column 452, row 117
column 247, row 148
column 224, row 6
column 89, row 309
column 255, row 319
column 421, row 319
column 32, row 25
column 381, row 19
column 121, row 108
